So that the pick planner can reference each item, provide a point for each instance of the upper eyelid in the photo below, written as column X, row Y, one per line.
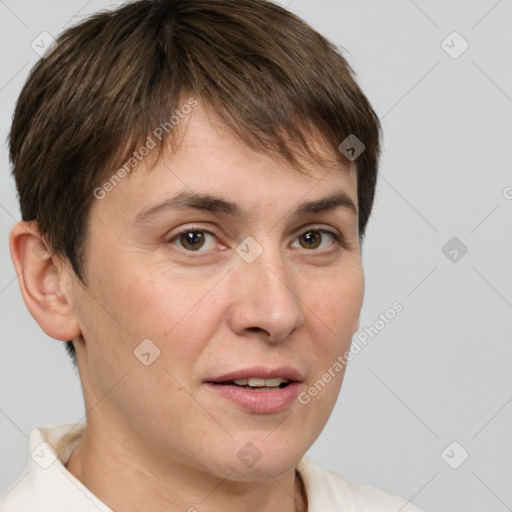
column 298, row 231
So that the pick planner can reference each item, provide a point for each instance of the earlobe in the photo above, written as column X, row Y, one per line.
column 44, row 282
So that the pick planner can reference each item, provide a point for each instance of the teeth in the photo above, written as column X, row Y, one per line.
column 256, row 382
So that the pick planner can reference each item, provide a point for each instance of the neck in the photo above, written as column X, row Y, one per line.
column 113, row 470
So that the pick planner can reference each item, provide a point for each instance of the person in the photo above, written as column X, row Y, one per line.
column 195, row 178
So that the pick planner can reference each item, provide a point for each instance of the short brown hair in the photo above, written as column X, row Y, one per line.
column 111, row 79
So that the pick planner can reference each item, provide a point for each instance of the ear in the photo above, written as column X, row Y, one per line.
column 46, row 283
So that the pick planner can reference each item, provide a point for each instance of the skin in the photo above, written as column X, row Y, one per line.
column 156, row 437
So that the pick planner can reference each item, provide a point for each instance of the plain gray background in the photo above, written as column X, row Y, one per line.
column 440, row 371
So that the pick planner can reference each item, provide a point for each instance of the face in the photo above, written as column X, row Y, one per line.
column 219, row 264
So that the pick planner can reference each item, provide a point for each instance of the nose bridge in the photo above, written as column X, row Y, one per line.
column 266, row 297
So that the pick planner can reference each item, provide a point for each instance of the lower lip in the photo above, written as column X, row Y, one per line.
column 259, row 402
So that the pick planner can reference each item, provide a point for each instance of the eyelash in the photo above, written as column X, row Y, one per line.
column 339, row 239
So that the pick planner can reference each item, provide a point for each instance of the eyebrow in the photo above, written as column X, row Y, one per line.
column 214, row 204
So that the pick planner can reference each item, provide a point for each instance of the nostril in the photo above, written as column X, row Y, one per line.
column 258, row 329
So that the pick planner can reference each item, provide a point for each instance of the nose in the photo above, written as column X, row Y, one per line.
column 265, row 299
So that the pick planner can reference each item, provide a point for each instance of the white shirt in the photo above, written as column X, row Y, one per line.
column 45, row 484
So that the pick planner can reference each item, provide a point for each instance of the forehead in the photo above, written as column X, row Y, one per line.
column 204, row 127
column 209, row 159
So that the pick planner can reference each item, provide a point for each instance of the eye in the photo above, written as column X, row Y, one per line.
column 196, row 240
column 318, row 239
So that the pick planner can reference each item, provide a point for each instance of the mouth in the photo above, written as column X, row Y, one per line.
column 256, row 384
column 259, row 390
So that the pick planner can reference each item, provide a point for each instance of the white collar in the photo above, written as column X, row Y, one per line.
column 45, row 484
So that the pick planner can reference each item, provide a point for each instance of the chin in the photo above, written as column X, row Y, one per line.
column 262, row 459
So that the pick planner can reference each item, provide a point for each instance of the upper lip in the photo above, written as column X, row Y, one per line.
column 262, row 372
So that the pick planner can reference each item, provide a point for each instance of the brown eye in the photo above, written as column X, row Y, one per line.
column 192, row 240
column 318, row 239
column 310, row 239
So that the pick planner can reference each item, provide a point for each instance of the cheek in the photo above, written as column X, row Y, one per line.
column 149, row 302
column 336, row 304
column 179, row 314
column 177, row 318
column 335, row 308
